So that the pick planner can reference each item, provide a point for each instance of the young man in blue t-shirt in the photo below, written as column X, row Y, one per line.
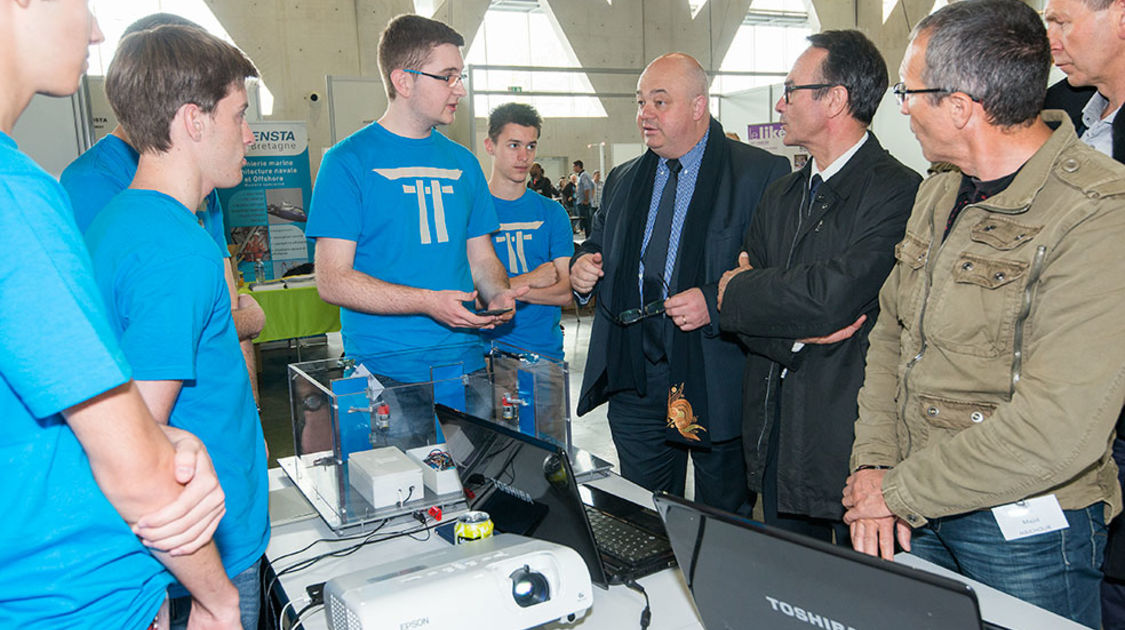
column 534, row 242
column 81, row 458
column 108, row 167
column 179, row 93
column 403, row 218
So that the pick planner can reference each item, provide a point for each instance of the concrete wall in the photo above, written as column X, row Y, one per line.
column 296, row 44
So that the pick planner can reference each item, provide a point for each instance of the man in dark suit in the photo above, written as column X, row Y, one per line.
column 818, row 250
column 1088, row 44
column 668, row 226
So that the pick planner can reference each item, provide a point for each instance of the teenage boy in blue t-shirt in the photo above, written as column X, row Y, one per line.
column 403, row 217
column 535, row 242
column 179, row 93
column 108, row 167
column 81, row 458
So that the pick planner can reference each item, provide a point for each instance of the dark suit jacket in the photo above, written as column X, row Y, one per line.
column 813, row 276
column 743, row 174
column 1071, row 100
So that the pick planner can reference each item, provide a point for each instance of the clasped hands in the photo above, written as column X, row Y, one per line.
column 837, row 336
column 872, row 525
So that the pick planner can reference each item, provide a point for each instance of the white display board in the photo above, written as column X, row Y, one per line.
column 353, row 103
column 737, row 110
column 892, row 128
column 54, row 130
column 622, row 152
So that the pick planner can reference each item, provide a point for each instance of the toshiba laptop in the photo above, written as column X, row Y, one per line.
column 739, row 570
column 528, row 487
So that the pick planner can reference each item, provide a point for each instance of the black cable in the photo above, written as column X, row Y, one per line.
column 646, row 614
column 267, row 589
column 301, row 565
column 277, row 576
column 299, row 621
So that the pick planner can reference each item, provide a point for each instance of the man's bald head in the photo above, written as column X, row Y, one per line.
column 684, row 68
column 672, row 104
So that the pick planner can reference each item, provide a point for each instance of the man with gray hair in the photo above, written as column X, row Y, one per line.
column 1088, row 45
column 669, row 226
column 997, row 367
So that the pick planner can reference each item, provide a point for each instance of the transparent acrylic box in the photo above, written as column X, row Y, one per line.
column 339, row 409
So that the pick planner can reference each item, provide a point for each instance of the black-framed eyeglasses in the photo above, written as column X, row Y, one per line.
column 901, row 92
column 450, row 79
column 789, row 89
column 634, row 315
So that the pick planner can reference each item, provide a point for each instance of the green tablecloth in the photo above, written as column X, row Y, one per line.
column 297, row 312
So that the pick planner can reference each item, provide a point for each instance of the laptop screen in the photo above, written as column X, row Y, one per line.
column 739, row 570
column 525, row 484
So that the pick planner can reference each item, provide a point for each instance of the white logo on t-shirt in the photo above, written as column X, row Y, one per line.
column 514, row 236
column 420, row 188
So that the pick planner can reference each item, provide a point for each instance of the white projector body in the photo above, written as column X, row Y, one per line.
column 464, row 586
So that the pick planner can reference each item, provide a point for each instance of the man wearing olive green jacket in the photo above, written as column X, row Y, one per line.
column 997, row 367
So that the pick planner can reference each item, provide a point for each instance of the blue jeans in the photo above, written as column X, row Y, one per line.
column 1059, row 571
column 249, row 600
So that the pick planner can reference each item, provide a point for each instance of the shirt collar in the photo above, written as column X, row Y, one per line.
column 1095, row 107
column 839, row 162
column 692, row 158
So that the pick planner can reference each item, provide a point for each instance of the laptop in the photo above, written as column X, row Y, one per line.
column 528, row 487
column 738, row 570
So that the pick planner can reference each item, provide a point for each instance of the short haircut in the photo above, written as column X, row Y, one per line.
column 157, row 71
column 854, row 62
column 579, row 164
column 159, row 19
column 406, row 44
column 996, row 51
column 518, row 113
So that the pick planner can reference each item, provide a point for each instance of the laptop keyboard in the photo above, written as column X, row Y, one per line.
column 623, row 541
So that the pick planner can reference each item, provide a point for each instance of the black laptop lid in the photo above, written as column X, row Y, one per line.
column 743, row 574
column 525, row 484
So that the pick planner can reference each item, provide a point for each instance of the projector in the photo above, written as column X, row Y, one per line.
column 503, row 582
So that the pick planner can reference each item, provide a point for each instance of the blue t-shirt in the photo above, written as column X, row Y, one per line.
column 106, row 169
column 67, row 559
column 410, row 205
column 533, row 230
column 161, row 278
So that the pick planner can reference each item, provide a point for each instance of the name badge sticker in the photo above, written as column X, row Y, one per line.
column 1030, row 517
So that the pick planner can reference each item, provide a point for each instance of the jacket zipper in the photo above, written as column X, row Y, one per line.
column 929, row 279
column 766, row 409
column 1017, row 351
column 922, row 347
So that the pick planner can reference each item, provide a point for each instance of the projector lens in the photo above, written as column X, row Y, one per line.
column 529, row 587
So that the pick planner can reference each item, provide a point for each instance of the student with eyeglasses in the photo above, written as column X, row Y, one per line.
column 403, row 220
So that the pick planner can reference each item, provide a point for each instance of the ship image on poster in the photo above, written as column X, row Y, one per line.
column 266, row 214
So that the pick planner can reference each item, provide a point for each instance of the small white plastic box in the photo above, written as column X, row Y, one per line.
column 386, row 476
column 438, row 481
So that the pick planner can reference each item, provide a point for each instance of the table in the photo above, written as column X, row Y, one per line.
column 295, row 312
column 615, row 608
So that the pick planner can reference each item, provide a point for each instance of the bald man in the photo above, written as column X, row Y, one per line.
column 669, row 225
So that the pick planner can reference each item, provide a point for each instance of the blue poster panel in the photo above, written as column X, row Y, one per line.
column 265, row 214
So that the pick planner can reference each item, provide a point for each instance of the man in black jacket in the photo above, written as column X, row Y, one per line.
column 804, row 295
column 669, row 225
column 1087, row 44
